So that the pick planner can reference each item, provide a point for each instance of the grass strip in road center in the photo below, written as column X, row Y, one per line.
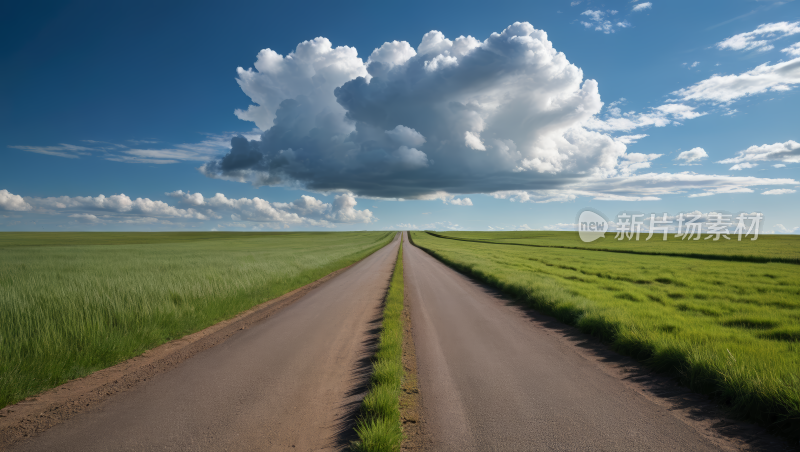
column 379, row 428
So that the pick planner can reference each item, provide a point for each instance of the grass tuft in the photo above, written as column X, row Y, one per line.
column 378, row 435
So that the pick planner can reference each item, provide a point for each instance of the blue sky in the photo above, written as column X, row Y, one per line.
column 117, row 115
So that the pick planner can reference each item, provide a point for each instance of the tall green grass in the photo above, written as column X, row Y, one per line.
column 728, row 329
column 768, row 248
column 379, row 428
column 74, row 303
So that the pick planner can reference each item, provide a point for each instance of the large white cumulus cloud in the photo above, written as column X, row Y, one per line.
column 455, row 116
column 508, row 116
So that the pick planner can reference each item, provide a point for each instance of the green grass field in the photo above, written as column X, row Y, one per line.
column 73, row 303
column 727, row 328
column 768, row 248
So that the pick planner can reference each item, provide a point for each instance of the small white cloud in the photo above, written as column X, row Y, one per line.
column 10, row 201
column 446, row 198
column 442, row 225
column 642, row 6
column 460, row 202
column 85, row 218
column 694, row 155
column 631, row 139
column 722, row 190
column 779, row 191
column 405, row 226
column 597, row 19
column 760, row 38
column 62, row 150
column 792, row 50
column 724, row 89
column 788, row 152
column 781, row 229
column 741, row 166
column 779, row 165
column 195, row 199
column 344, row 211
column 694, row 64
column 660, row 116
column 561, row 227
column 634, row 161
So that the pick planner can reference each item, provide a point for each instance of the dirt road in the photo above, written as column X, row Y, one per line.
column 287, row 383
column 490, row 380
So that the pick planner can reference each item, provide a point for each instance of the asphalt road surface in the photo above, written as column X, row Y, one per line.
column 492, row 381
column 287, row 383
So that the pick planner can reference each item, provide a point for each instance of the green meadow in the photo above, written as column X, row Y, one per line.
column 728, row 328
column 73, row 303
